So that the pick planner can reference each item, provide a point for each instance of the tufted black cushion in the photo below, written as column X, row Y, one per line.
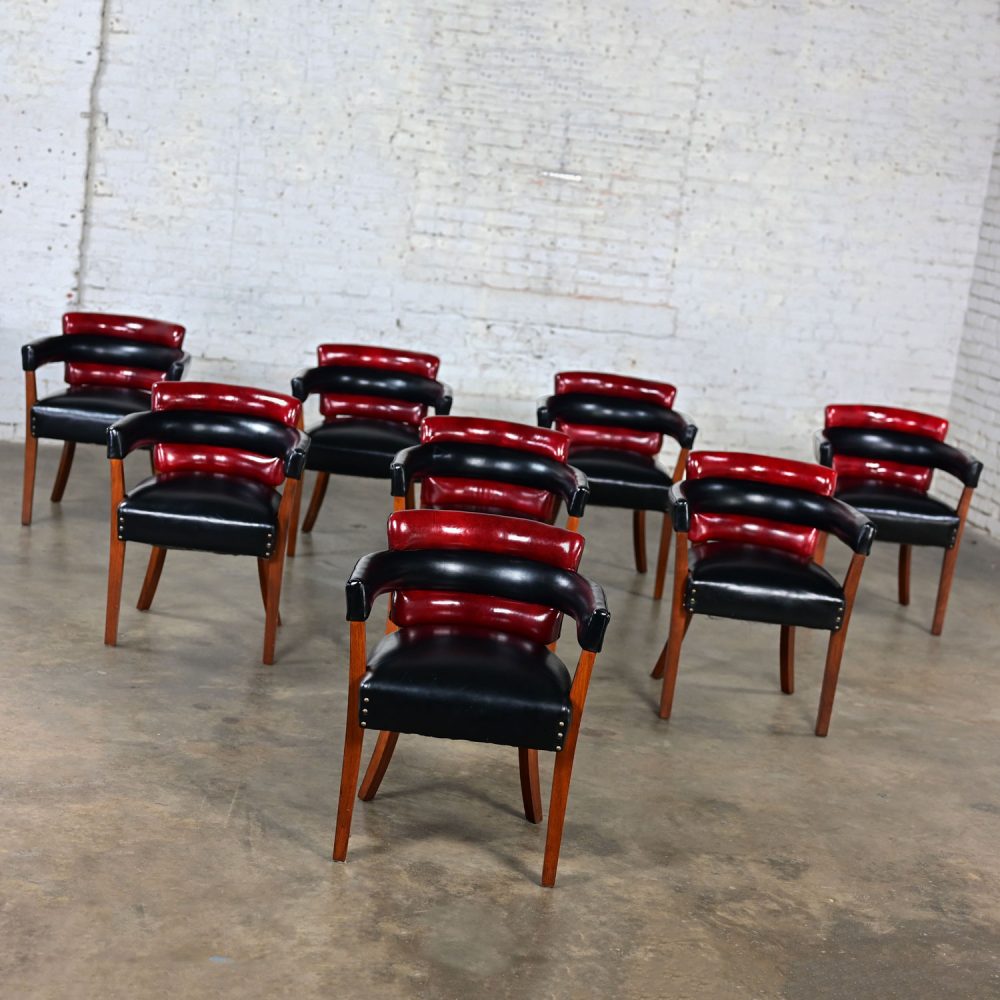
column 761, row 584
column 902, row 514
column 211, row 513
column 358, row 447
column 467, row 684
column 84, row 413
column 622, row 478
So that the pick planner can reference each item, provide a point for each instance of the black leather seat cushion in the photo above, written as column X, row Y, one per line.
column 355, row 446
column 901, row 514
column 84, row 413
column 761, row 584
column 622, row 478
column 207, row 512
column 467, row 684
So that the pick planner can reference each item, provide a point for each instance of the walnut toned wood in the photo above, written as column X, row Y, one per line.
column 820, row 554
column 835, row 650
column 666, row 531
column 354, row 736
column 787, row 659
column 30, row 449
column 905, row 559
column 531, row 791
column 639, row 539
column 293, row 523
column 65, row 464
column 572, row 523
column 275, row 568
column 679, row 620
column 262, row 565
column 563, row 770
column 319, row 492
column 116, row 561
column 152, row 579
column 385, row 746
column 949, row 563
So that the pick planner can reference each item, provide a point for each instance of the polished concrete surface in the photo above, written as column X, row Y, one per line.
column 167, row 806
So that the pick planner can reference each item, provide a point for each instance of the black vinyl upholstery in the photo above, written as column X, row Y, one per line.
column 467, row 684
column 761, row 584
column 346, row 380
column 84, row 413
column 358, row 446
column 505, row 465
column 619, row 478
column 902, row 514
column 98, row 350
column 213, row 513
column 599, row 410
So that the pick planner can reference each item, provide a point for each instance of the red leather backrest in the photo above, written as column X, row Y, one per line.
column 430, row 529
column 498, row 434
column 138, row 328
column 885, row 418
column 389, row 359
column 642, row 442
column 222, row 398
column 749, row 467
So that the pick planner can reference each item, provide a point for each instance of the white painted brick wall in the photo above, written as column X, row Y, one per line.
column 48, row 52
column 774, row 205
column 975, row 403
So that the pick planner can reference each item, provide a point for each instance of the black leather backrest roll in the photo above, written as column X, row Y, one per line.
column 97, row 350
column 212, row 429
column 615, row 411
column 895, row 446
column 503, row 465
column 474, row 572
column 347, row 381
column 744, row 498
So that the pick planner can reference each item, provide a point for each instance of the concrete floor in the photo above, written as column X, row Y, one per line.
column 168, row 805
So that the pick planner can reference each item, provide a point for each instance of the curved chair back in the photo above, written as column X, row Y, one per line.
column 226, row 421
column 473, row 463
column 879, row 442
column 381, row 383
column 483, row 570
column 746, row 498
column 126, row 351
column 611, row 411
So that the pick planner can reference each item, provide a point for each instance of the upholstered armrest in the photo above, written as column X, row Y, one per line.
column 542, row 411
column 178, row 369
column 680, row 427
column 474, row 572
column 445, row 397
column 348, row 381
column 504, row 465
column 823, row 449
column 96, row 350
column 205, row 427
column 776, row 503
column 895, row 446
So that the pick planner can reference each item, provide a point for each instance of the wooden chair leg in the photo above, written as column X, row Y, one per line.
column 274, row 567
column 905, row 557
column 152, row 579
column 561, row 775
column 262, row 565
column 835, row 650
column 116, row 569
column 65, row 464
column 30, row 464
column 354, row 737
column 787, row 659
column 319, row 492
column 834, row 654
column 671, row 661
column 948, row 565
column 293, row 525
column 666, row 531
column 531, row 792
column 639, row 539
column 385, row 745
